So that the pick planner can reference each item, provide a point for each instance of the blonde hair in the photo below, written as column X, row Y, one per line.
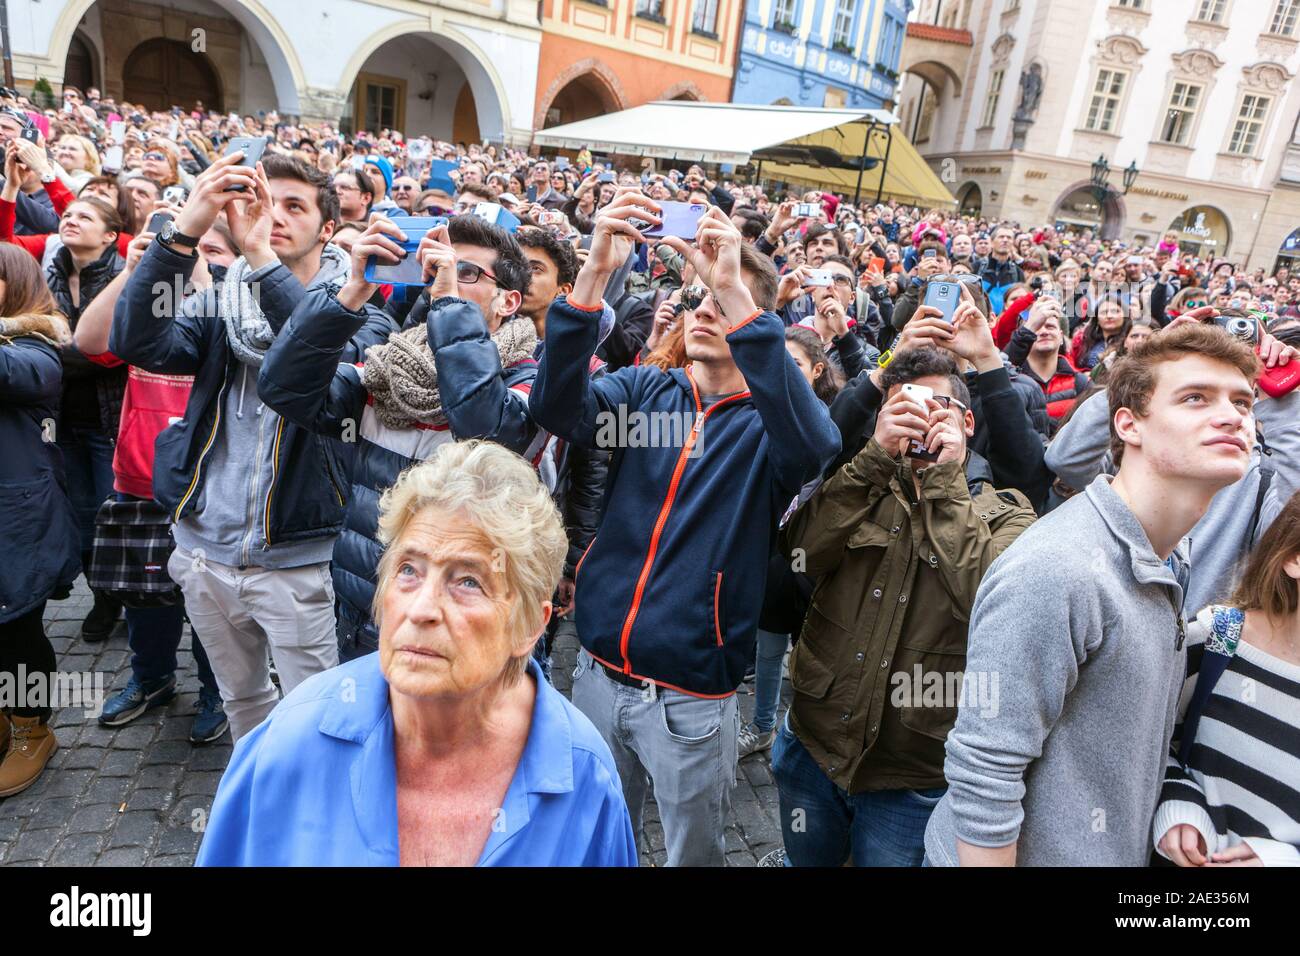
column 87, row 149
column 501, row 494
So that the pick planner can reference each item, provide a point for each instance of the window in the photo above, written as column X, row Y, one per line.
column 1183, row 101
column 1106, row 95
column 706, row 17
column 784, row 12
column 842, row 27
column 379, row 103
column 1012, row 5
column 1284, row 17
column 650, row 8
column 1249, row 125
column 1211, row 11
column 991, row 100
column 1132, row 4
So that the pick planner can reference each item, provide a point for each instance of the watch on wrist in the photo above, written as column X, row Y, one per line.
column 170, row 236
column 48, row 177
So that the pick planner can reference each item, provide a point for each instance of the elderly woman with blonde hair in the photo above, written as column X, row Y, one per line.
column 446, row 747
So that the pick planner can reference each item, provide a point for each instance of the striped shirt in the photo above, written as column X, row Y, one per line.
column 1242, row 779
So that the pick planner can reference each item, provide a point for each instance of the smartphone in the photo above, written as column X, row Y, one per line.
column 175, row 194
column 252, row 148
column 943, row 296
column 118, row 131
column 157, row 221
column 807, row 210
column 1134, row 260
column 818, row 278
column 561, row 162
column 31, row 134
column 607, row 178
column 930, row 254
column 877, row 264
column 916, row 448
column 408, row 270
column 356, row 162
column 112, row 158
column 497, row 215
column 680, row 219
column 553, row 217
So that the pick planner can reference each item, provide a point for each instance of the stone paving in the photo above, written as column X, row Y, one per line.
column 138, row 795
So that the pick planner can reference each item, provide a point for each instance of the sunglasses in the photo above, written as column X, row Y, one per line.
column 156, row 157
column 403, row 188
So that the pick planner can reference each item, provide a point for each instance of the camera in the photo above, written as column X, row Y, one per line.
column 1239, row 326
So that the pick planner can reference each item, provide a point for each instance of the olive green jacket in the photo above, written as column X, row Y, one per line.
column 877, row 671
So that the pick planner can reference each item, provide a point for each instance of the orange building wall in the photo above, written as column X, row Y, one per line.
column 634, row 60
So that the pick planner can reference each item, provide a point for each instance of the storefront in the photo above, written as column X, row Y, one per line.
column 1202, row 232
column 1289, row 254
column 1080, row 209
column 971, row 200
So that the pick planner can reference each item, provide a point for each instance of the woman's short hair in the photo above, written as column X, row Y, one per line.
column 500, row 493
column 88, row 150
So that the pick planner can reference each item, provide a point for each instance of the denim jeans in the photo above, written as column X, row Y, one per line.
column 823, row 825
column 769, row 655
column 684, row 746
column 88, row 461
column 154, row 634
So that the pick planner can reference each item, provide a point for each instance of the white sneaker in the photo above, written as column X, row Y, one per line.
column 752, row 740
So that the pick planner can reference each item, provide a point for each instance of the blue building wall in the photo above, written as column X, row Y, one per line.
column 776, row 65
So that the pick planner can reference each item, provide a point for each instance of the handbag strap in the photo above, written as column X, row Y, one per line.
column 1220, row 647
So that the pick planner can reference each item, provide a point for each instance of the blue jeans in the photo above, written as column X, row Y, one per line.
column 769, row 654
column 823, row 825
column 88, row 461
column 154, row 634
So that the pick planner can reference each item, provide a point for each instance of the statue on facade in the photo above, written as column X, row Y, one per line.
column 1031, row 91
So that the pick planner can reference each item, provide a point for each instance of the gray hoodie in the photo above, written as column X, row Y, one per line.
column 1081, row 625
column 1218, row 543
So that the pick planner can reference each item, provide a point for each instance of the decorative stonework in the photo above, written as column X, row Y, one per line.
column 1266, row 77
column 687, row 89
column 1124, row 20
column 1273, row 47
column 1195, row 64
column 1120, row 50
column 1205, row 35
column 1002, row 47
column 598, row 68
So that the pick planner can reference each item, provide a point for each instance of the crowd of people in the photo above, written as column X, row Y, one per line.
column 1030, row 557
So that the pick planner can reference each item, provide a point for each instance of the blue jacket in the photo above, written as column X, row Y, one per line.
column 308, row 496
column 671, row 587
column 315, row 784
column 302, row 379
column 38, row 534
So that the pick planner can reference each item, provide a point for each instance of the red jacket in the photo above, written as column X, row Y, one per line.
column 151, row 403
column 60, row 199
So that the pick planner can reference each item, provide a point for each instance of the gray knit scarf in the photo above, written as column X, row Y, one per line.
column 247, row 329
column 401, row 376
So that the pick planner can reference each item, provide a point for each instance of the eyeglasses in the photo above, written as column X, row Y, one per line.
column 469, row 273
column 156, row 157
column 434, row 211
column 947, row 401
column 402, row 188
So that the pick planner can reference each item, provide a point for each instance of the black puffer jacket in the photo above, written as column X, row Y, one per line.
column 79, row 371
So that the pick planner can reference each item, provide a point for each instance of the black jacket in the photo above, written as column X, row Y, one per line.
column 38, row 536
column 191, row 340
column 109, row 383
column 1011, row 427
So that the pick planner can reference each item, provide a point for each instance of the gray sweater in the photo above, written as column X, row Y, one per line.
column 1079, row 622
column 1218, row 543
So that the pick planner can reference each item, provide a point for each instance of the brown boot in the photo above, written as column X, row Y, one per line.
column 31, row 745
column 4, row 734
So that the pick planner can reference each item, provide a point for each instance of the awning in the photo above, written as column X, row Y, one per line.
column 699, row 132
column 829, row 141
column 908, row 177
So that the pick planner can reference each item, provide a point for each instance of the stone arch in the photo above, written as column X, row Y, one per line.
column 685, row 90
column 262, row 28
column 1114, row 209
column 604, row 78
column 936, row 75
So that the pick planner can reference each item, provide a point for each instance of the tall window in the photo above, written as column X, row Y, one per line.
column 842, row 27
column 1106, row 95
column 1284, row 17
column 650, row 8
column 1177, row 128
column 1012, row 5
column 1211, row 11
column 784, row 11
column 706, row 17
column 991, row 100
column 1250, row 124
column 1132, row 4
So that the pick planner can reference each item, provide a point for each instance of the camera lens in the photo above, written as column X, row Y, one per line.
column 1241, row 327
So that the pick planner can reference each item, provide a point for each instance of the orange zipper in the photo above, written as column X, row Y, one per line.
column 700, row 417
column 717, row 601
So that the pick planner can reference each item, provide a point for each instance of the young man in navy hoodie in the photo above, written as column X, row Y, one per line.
column 705, row 460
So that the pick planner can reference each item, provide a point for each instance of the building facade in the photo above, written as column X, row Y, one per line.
column 832, row 53
column 600, row 56
column 1013, row 101
column 455, row 69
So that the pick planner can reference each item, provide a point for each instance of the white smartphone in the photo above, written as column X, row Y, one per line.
column 919, row 394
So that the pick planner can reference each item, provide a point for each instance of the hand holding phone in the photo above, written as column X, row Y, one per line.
column 904, row 420
column 409, row 270
column 252, row 148
column 943, row 295
column 681, row 219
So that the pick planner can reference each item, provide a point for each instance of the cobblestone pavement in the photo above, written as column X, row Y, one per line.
column 138, row 795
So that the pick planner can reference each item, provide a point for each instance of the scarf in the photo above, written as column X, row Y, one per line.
column 52, row 329
column 403, row 381
column 247, row 329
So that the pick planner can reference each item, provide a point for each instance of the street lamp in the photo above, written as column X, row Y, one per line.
column 1130, row 176
column 1100, row 175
